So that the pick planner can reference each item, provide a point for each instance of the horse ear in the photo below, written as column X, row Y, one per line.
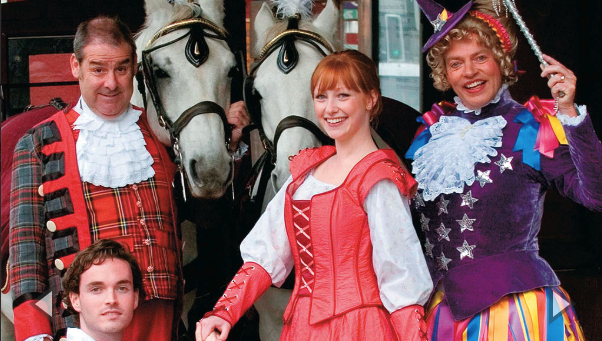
column 327, row 20
column 213, row 10
column 264, row 20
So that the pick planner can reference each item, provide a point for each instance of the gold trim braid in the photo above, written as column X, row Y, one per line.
column 186, row 23
column 298, row 32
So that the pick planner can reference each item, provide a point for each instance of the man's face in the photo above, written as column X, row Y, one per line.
column 106, row 299
column 105, row 75
column 473, row 72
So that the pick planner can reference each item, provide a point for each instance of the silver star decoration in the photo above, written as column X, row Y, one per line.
column 465, row 223
column 424, row 222
column 442, row 205
column 428, row 248
column 468, row 200
column 442, row 262
column 504, row 163
column 443, row 232
column 438, row 23
column 418, row 200
column 483, row 178
column 466, row 250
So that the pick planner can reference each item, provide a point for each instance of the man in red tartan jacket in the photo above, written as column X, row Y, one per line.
column 91, row 172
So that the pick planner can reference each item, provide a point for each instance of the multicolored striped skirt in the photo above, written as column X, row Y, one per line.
column 543, row 314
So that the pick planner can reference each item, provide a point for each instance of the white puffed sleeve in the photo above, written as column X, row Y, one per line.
column 399, row 264
column 267, row 243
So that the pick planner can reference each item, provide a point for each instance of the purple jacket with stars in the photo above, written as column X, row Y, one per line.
column 482, row 244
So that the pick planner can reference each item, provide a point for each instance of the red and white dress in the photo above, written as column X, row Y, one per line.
column 360, row 270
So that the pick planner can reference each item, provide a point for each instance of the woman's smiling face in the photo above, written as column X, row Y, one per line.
column 342, row 112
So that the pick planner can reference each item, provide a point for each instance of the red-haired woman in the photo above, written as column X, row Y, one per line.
column 343, row 221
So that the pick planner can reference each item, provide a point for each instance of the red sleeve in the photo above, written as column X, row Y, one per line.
column 409, row 323
column 30, row 321
column 249, row 283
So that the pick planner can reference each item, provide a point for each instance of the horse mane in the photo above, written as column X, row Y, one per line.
column 185, row 11
column 281, row 26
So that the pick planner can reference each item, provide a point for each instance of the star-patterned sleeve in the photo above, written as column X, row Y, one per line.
column 267, row 243
column 403, row 276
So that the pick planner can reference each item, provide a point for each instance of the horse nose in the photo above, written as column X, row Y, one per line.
column 277, row 181
column 205, row 174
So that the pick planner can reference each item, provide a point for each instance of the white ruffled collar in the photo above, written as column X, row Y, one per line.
column 76, row 334
column 460, row 106
column 111, row 153
column 443, row 170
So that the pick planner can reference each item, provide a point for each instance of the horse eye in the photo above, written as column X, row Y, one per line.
column 160, row 73
column 233, row 71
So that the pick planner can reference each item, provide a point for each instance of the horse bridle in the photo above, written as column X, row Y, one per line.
column 197, row 52
column 288, row 57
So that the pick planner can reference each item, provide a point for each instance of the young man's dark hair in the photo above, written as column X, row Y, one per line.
column 95, row 254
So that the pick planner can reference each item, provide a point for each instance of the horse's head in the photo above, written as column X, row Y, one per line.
column 287, row 52
column 187, row 64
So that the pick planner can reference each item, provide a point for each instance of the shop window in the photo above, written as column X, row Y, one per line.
column 38, row 70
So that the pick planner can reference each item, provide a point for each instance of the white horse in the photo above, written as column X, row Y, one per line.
column 187, row 66
column 281, row 82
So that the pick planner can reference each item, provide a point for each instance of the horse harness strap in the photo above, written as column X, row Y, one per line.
column 205, row 107
column 301, row 122
column 220, row 34
column 307, row 36
column 196, row 52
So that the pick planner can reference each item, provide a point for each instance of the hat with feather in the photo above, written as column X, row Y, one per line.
column 441, row 19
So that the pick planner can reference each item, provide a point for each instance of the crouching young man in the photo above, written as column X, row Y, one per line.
column 103, row 285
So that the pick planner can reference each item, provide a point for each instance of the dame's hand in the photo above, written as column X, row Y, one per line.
column 563, row 80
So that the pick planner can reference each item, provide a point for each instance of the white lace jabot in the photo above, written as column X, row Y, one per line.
column 441, row 169
column 111, row 153
column 460, row 106
column 75, row 334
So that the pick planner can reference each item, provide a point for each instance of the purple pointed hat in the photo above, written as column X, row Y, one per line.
column 441, row 19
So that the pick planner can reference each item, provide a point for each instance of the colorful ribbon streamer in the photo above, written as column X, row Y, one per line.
column 551, row 134
column 423, row 134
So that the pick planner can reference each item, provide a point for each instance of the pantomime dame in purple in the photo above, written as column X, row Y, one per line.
column 483, row 166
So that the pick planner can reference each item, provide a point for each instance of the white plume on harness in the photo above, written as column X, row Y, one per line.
column 288, row 8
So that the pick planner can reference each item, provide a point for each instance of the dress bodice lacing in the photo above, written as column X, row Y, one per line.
column 301, row 214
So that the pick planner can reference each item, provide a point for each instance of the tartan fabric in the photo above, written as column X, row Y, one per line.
column 31, row 271
column 27, row 236
column 12, row 130
column 134, row 215
column 140, row 216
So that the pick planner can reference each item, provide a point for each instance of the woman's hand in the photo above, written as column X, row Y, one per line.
column 561, row 80
column 205, row 329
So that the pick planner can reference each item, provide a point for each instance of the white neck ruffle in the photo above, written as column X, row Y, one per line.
column 441, row 169
column 460, row 106
column 74, row 334
column 111, row 153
